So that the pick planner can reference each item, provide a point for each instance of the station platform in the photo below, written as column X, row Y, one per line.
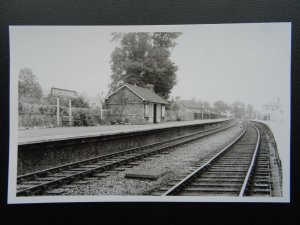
column 40, row 149
column 63, row 133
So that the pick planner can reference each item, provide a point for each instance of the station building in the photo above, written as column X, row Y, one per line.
column 272, row 111
column 188, row 109
column 193, row 110
column 136, row 105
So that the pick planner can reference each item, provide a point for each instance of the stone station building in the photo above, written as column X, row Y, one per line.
column 136, row 105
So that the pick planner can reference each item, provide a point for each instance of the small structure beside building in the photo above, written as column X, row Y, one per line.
column 136, row 105
column 192, row 110
column 189, row 110
column 272, row 111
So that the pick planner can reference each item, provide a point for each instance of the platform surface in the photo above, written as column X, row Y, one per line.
column 62, row 133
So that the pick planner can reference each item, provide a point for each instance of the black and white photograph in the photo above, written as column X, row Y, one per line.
column 153, row 113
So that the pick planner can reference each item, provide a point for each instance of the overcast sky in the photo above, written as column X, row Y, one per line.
column 247, row 62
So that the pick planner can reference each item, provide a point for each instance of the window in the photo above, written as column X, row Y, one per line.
column 163, row 111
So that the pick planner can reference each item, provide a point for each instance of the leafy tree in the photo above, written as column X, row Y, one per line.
column 250, row 111
column 221, row 106
column 29, row 89
column 80, row 102
column 144, row 58
column 238, row 109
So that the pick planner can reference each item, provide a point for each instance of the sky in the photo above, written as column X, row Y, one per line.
column 247, row 62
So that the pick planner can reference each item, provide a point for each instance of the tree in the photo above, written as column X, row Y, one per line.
column 144, row 58
column 220, row 106
column 29, row 89
column 80, row 102
column 250, row 111
column 238, row 109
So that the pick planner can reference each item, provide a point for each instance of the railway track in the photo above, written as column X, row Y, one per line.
column 260, row 183
column 40, row 182
column 240, row 169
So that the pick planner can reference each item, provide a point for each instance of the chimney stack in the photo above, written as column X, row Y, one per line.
column 150, row 86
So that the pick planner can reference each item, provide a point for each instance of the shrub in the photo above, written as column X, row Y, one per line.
column 88, row 117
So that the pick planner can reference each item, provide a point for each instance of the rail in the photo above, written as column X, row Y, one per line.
column 39, row 188
column 188, row 179
column 251, row 167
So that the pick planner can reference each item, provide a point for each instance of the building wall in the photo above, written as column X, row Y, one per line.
column 132, row 113
column 125, row 106
column 272, row 113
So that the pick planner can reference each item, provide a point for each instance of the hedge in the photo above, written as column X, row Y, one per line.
column 31, row 115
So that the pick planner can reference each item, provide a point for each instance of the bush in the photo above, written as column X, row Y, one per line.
column 88, row 117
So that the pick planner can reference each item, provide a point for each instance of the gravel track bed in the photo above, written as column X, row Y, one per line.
column 176, row 164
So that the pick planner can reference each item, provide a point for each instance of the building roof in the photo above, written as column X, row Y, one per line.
column 190, row 104
column 144, row 93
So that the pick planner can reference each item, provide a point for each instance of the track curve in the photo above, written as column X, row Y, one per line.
column 228, row 173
